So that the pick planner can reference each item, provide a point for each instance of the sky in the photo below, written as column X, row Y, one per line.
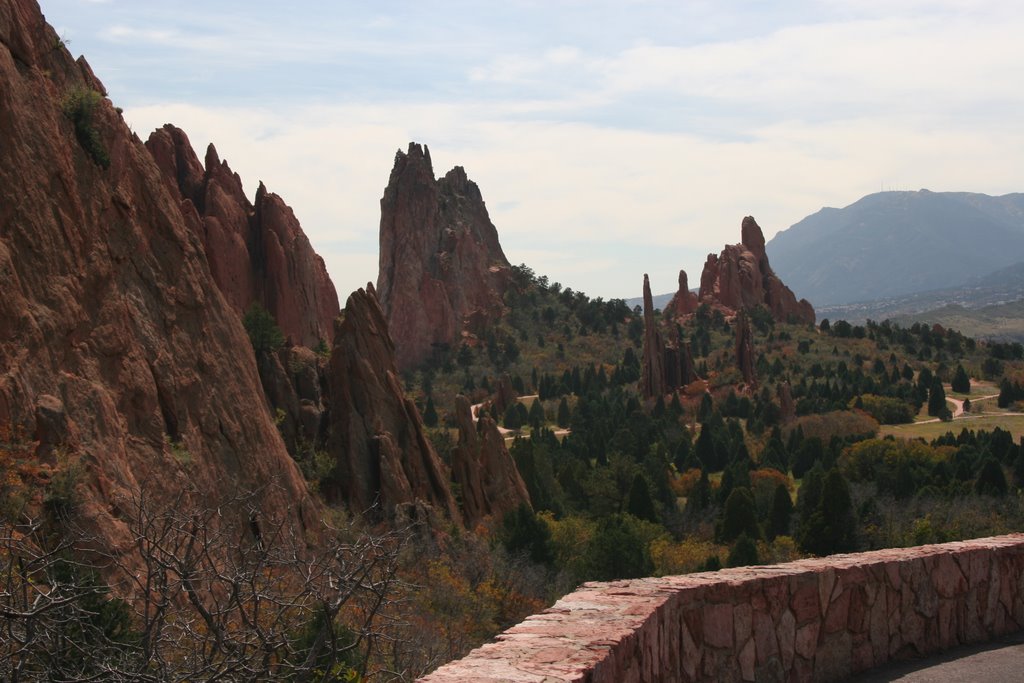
column 609, row 138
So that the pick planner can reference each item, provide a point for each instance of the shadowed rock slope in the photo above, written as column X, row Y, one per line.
column 442, row 270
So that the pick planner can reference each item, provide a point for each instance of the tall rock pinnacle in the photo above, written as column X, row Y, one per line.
column 440, row 260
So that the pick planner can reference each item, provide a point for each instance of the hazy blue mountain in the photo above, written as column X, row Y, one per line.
column 895, row 243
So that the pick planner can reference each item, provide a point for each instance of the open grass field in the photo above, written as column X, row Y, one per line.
column 932, row 430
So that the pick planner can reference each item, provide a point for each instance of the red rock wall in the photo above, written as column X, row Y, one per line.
column 810, row 620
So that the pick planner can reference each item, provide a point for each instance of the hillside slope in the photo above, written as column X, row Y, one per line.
column 894, row 243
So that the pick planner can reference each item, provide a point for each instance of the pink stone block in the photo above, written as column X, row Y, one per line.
column 837, row 613
column 804, row 601
column 786, row 632
column 742, row 622
column 807, row 640
column 765, row 637
column 746, row 659
column 947, row 577
column 718, row 625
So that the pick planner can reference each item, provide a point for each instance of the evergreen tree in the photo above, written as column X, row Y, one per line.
column 640, row 504
column 743, row 553
column 961, row 382
column 617, row 550
column 740, row 516
column 522, row 531
column 536, row 414
column 831, row 528
column 937, row 399
column 264, row 334
column 512, row 419
column 564, row 414
column 430, row 413
column 782, row 510
column 991, row 480
column 700, row 497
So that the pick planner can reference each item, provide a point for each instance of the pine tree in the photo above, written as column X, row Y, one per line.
column 564, row 414
column 640, row 504
column 743, row 553
column 991, row 480
column 740, row 516
column 782, row 511
column 430, row 413
column 961, row 382
column 937, row 399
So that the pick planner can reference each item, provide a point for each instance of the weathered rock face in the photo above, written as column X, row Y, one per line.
column 483, row 467
column 652, row 377
column 376, row 434
column 740, row 277
column 745, row 350
column 441, row 266
column 115, row 341
column 257, row 251
column 667, row 363
column 684, row 302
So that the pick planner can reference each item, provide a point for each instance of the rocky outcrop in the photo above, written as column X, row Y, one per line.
column 374, row 432
column 745, row 351
column 442, row 269
column 652, row 374
column 484, row 469
column 116, row 344
column 257, row 251
column 667, row 363
column 684, row 302
column 741, row 278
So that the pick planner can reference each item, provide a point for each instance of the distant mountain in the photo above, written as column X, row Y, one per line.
column 660, row 300
column 1004, row 286
column 896, row 243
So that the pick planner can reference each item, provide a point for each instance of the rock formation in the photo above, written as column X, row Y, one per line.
column 374, row 432
column 484, row 469
column 741, row 278
column 745, row 350
column 257, row 251
column 684, row 302
column 441, row 266
column 116, row 344
column 667, row 363
column 652, row 377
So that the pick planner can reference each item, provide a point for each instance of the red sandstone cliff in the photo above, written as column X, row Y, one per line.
column 483, row 467
column 115, row 340
column 740, row 277
column 374, row 432
column 257, row 251
column 440, row 260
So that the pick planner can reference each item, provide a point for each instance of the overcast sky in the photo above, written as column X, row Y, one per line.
column 608, row 139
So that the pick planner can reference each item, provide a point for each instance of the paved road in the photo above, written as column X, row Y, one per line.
column 995, row 662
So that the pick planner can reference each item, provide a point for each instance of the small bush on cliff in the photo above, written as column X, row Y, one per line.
column 264, row 334
column 80, row 105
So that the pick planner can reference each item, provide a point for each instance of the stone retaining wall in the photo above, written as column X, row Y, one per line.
column 810, row 620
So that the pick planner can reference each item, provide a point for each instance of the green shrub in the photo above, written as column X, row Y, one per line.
column 79, row 106
column 264, row 334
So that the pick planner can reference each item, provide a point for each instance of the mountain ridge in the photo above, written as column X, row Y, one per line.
column 895, row 243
